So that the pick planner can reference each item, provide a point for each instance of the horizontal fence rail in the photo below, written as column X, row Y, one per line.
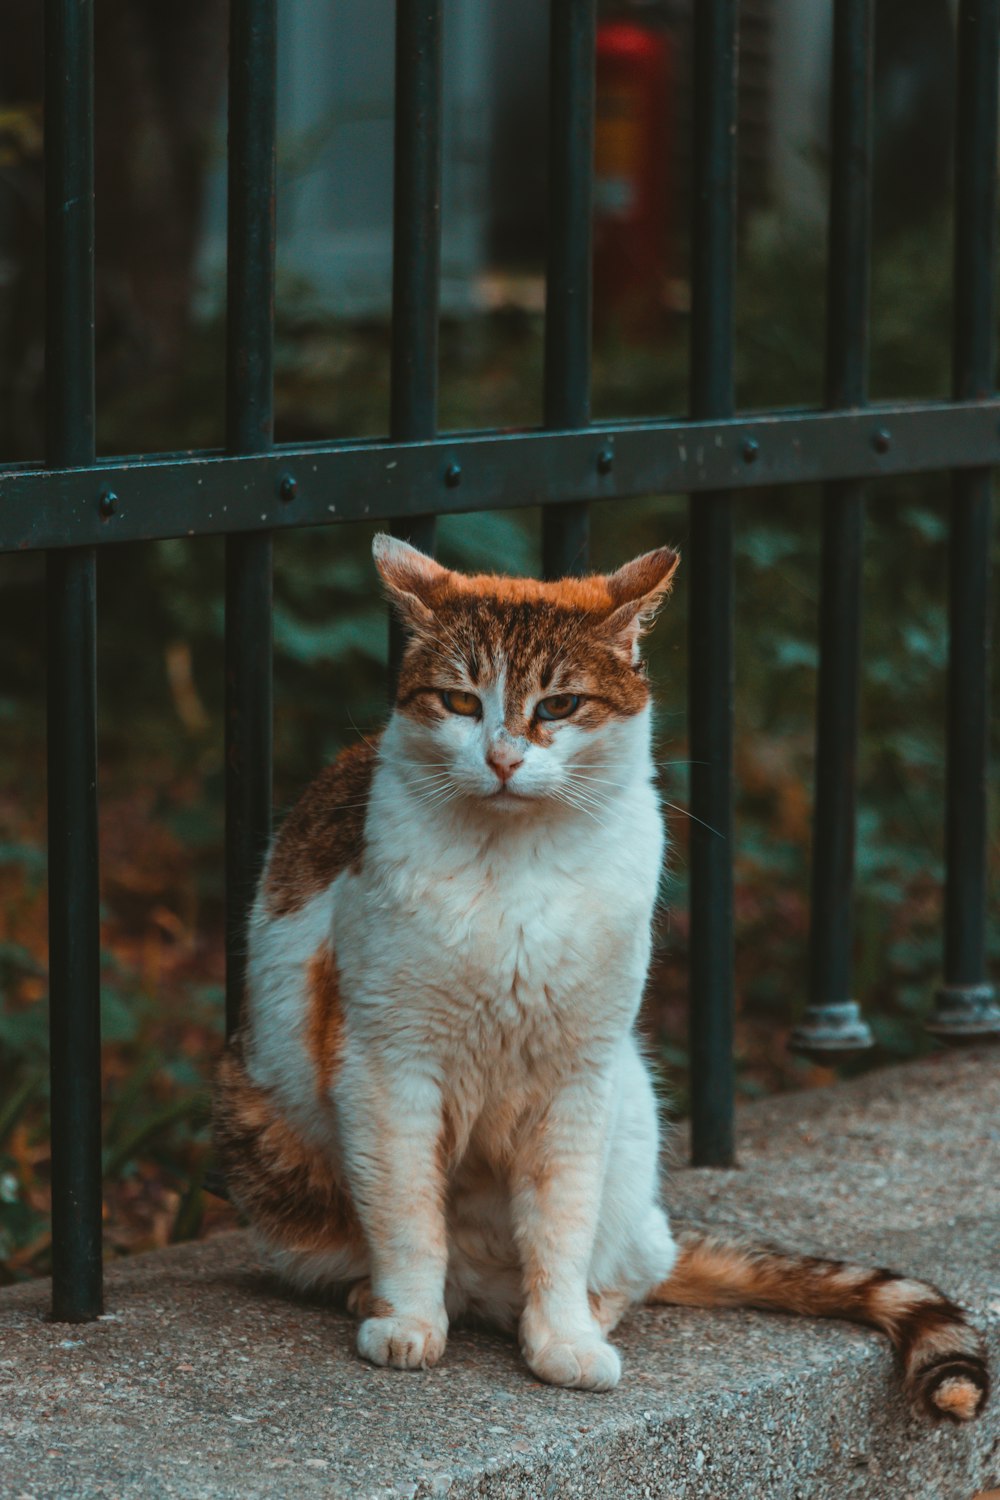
column 203, row 494
column 73, row 505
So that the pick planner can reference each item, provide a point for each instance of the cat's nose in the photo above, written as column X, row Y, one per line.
column 503, row 761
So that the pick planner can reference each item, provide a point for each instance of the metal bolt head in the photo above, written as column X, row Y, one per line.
column 881, row 440
column 288, row 488
column 605, row 461
column 108, row 503
column 751, row 450
column 453, row 475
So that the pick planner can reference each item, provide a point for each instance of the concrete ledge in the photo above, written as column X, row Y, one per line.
column 204, row 1381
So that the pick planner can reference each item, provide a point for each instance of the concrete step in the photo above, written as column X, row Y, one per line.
column 203, row 1380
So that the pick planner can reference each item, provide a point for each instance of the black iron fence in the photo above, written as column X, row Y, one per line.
column 73, row 504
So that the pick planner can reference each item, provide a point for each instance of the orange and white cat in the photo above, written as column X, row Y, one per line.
column 437, row 1102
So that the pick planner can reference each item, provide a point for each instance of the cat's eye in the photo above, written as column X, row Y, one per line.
column 466, row 704
column 559, row 706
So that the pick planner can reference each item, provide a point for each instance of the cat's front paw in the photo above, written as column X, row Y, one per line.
column 583, row 1363
column 403, row 1343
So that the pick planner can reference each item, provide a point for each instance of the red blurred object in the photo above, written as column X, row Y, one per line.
column 633, row 173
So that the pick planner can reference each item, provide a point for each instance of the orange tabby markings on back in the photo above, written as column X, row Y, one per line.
column 287, row 1190
column 326, row 1018
column 323, row 834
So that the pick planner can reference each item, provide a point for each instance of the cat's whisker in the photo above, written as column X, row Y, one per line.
column 431, row 776
column 351, row 806
column 587, row 805
column 585, row 776
column 439, row 796
column 372, row 744
column 461, row 651
column 434, row 790
column 424, row 765
column 590, row 786
column 583, row 800
column 604, row 765
column 448, row 631
column 687, row 814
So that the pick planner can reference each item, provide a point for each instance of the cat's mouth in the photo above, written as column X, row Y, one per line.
column 507, row 794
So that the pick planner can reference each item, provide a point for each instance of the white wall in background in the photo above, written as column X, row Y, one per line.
column 335, row 128
column 800, row 106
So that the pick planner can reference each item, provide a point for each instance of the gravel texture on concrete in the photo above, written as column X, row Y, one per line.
column 204, row 1380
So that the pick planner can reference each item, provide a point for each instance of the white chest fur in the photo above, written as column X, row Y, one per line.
column 478, row 931
column 484, row 948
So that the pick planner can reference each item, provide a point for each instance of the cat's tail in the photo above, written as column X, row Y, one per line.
column 943, row 1357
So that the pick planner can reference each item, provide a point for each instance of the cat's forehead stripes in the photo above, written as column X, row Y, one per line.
column 526, row 633
column 571, row 596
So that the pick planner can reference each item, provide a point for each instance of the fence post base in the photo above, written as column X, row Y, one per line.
column 830, row 1034
column 965, row 1013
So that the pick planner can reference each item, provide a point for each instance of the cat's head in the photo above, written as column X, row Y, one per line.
column 511, row 690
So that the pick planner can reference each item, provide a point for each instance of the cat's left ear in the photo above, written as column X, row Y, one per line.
column 413, row 579
column 637, row 590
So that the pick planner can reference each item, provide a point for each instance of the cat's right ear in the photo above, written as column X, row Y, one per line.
column 412, row 579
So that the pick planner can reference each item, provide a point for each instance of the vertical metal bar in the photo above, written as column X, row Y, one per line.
column 710, row 588
column 965, row 1005
column 74, row 933
column 572, row 32
column 416, row 249
column 832, row 1026
column 249, row 429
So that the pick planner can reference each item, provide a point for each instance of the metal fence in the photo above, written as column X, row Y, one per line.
column 73, row 504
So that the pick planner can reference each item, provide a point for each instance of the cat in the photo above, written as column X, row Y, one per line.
column 436, row 1104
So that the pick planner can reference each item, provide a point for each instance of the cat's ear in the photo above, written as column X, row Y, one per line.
column 411, row 578
column 637, row 590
